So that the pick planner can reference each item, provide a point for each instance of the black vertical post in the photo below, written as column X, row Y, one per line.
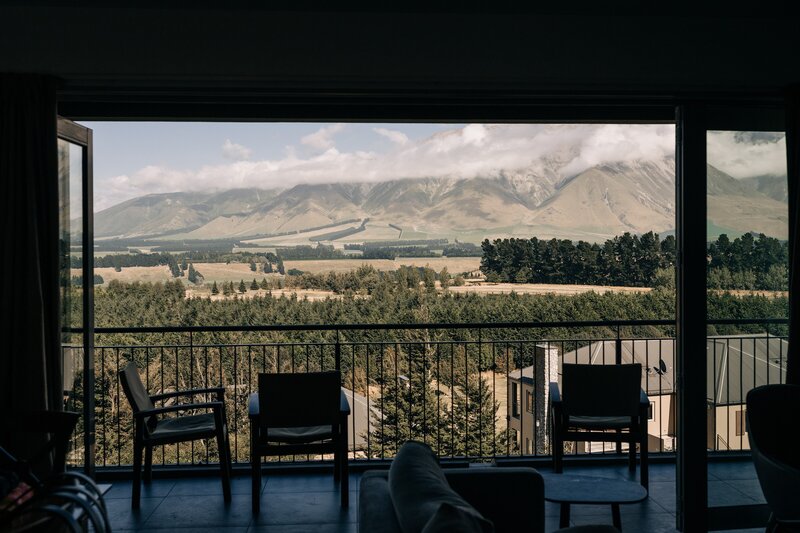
column 692, row 482
column 338, row 353
column 793, row 175
column 88, row 304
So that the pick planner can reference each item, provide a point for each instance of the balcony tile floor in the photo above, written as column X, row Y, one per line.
column 296, row 503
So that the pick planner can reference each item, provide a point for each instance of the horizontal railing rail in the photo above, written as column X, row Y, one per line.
column 380, row 327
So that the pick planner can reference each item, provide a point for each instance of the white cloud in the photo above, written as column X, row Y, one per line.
column 322, row 138
column 743, row 155
column 460, row 152
column 395, row 136
column 236, row 152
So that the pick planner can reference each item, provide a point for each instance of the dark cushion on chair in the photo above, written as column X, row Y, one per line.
column 600, row 422
column 185, row 425
column 418, row 489
column 589, row 529
column 300, row 434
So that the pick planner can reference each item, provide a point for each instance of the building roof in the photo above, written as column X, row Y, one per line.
column 739, row 363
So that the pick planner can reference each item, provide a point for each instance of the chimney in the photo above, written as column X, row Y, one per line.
column 545, row 370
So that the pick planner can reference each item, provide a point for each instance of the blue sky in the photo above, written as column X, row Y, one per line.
column 136, row 158
column 124, row 148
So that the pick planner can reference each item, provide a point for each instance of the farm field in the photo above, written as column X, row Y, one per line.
column 296, row 239
column 455, row 265
column 301, row 294
column 541, row 288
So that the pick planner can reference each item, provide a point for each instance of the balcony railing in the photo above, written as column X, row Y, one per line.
column 473, row 392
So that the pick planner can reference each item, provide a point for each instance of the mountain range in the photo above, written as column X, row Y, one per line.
column 597, row 203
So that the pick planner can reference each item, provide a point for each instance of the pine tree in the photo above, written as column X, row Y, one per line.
column 281, row 270
column 267, row 268
column 174, row 268
column 253, row 266
column 444, row 278
column 474, row 419
column 214, row 288
column 227, row 289
column 192, row 277
column 264, row 283
column 242, row 287
column 408, row 406
column 254, row 285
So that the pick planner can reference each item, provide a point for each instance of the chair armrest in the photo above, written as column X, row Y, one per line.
column 643, row 399
column 555, row 394
column 501, row 493
column 178, row 407
column 253, row 407
column 344, row 405
column 219, row 391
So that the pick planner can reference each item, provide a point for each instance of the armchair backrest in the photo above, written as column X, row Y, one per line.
column 135, row 392
column 299, row 399
column 56, row 427
column 770, row 412
column 601, row 390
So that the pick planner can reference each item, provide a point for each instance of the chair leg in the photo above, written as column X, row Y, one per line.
column 148, row 464
column 619, row 442
column 337, row 468
column 224, row 458
column 345, row 473
column 255, row 466
column 643, row 474
column 558, row 454
column 137, row 475
column 632, row 456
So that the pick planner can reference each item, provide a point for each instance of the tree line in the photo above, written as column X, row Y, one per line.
column 628, row 260
column 625, row 260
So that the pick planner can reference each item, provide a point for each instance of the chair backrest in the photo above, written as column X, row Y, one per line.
column 771, row 410
column 57, row 425
column 135, row 392
column 299, row 399
column 601, row 390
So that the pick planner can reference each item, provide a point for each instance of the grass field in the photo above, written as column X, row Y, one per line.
column 541, row 288
column 455, row 265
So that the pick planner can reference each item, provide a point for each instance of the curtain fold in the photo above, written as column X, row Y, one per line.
column 30, row 353
column 793, row 167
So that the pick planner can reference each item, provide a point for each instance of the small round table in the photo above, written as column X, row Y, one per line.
column 567, row 490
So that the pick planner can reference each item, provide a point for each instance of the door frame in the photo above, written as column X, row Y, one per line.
column 82, row 136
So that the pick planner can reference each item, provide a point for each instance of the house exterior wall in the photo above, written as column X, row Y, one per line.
column 728, row 428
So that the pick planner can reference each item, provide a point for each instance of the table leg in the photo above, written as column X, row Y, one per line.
column 615, row 518
column 564, row 521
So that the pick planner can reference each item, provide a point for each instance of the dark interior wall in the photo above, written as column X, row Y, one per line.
column 558, row 53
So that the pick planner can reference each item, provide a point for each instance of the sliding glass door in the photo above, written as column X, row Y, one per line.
column 77, row 283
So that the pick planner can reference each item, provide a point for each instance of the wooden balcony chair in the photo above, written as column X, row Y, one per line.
column 299, row 414
column 152, row 429
column 600, row 403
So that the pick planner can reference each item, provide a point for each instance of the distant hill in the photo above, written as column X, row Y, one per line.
column 740, row 206
column 600, row 202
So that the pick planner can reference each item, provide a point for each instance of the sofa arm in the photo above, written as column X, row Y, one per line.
column 376, row 512
column 508, row 496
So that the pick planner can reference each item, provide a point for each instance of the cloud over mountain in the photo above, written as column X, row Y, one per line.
column 460, row 152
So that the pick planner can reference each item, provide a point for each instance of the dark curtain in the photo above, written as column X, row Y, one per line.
column 793, row 165
column 30, row 353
